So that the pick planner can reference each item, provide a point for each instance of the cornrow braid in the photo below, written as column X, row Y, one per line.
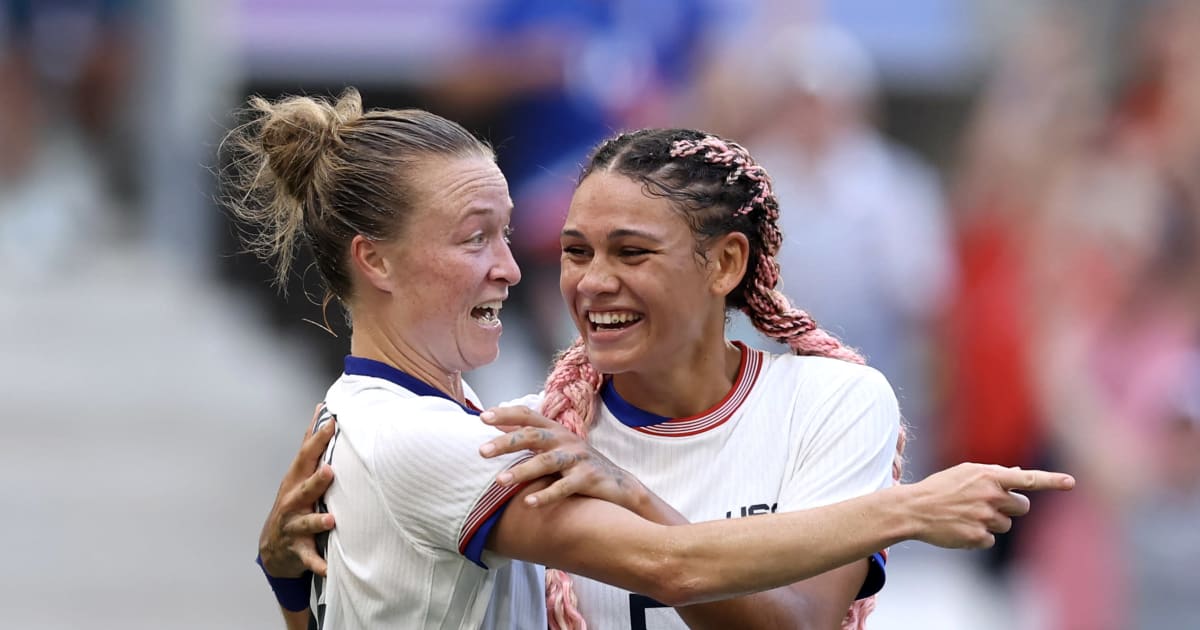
column 736, row 157
column 718, row 189
column 770, row 310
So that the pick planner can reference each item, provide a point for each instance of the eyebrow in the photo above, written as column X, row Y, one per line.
column 614, row 234
column 478, row 210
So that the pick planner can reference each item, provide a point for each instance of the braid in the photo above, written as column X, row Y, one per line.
column 768, row 309
column 570, row 400
column 571, row 390
column 719, row 189
column 735, row 156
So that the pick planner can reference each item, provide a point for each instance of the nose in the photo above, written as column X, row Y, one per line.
column 505, row 269
column 597, row 278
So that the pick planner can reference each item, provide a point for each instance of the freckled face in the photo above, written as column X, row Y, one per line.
column 637, row 291
column 455, row 249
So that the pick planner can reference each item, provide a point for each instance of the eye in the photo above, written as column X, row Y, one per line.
column 478, row 238
column 633, row 252
column 508, row 232
column 574, row 251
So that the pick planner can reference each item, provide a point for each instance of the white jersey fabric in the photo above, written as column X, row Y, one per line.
column 413, row 501
column 793, row 433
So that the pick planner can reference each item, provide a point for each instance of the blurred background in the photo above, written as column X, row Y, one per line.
column 997, row 201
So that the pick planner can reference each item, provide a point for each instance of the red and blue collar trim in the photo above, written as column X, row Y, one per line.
column 359, row 366
column 653, row 424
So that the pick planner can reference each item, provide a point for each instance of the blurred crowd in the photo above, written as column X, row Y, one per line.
column 1016, row 246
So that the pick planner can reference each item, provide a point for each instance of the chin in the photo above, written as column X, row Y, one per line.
column 475, row 361
column 612, row 361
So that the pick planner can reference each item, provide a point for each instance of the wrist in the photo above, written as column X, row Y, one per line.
column 291, row 592
column 900, row 514
column 652, row 508
column 639, row 501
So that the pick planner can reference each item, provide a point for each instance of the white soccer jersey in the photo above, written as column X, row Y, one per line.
column 414, row 501
column 793, row 433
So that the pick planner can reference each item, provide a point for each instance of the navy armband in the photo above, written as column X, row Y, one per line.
column 291, row 593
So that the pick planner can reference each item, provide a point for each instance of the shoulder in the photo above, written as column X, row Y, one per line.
column 392, row 414
column 822, row 374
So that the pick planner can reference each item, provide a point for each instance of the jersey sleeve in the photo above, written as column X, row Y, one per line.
column 439, row 490
column 847, row 452
column 848, row 442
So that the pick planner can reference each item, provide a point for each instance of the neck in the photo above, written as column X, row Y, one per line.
column 689, row 386
column 374, row 339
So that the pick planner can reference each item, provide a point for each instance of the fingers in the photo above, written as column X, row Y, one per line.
column 1017, row 479
column 316, row 485
column 516, row 415
column 313, row 561
column 316, row 416
column 522, row 439
column 1015, row 504
column 536, row 467
column 551, row 494
column 999, row 524
column 309, row 525
column 311, row 449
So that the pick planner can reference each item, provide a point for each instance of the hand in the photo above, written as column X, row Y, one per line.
column 558, row 451
column 967, row 505
column 287, row 543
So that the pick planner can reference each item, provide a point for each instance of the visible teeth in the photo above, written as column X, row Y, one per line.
column 488, row 312
column 613, row 317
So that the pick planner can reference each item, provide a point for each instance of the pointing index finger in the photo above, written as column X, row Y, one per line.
column 1017, row 479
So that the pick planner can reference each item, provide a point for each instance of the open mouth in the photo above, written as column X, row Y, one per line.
column 612, row 320
column 487, row 313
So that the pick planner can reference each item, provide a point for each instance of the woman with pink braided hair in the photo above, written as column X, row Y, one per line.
column 668, row 229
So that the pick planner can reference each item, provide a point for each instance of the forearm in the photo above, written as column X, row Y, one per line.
column 733, row 557
column 295, row 620
column 819, row 603
column 776, row 608
column 790, row 606
column 649, row 506
column 701, row 562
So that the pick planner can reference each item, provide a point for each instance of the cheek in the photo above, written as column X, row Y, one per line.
column 567, row 280
column 441, row 286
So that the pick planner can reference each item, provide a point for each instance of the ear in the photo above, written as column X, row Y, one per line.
column 728, row 256
column 372, row 265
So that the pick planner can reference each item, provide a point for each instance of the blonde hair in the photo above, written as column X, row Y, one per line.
column 319, row 171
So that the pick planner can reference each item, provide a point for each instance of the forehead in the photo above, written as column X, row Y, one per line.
column 452, row 187
column 606, row 200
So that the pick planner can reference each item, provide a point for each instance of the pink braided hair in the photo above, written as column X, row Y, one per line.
column 573, row 384
column 571, row 390
column 770, row 310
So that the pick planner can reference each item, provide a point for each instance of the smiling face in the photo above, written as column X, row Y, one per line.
column 637, row 291
column 453, row 264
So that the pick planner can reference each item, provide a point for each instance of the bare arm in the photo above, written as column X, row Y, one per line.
column 819, row 602
column 701, row 562
column 295, row 620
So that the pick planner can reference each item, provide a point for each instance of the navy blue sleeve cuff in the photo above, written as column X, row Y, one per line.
column 876, row 576
column 474, row 549
column 291, row 593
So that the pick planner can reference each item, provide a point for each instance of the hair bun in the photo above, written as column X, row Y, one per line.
column 297, row 132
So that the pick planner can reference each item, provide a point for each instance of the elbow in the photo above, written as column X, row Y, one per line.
column 675, row 582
